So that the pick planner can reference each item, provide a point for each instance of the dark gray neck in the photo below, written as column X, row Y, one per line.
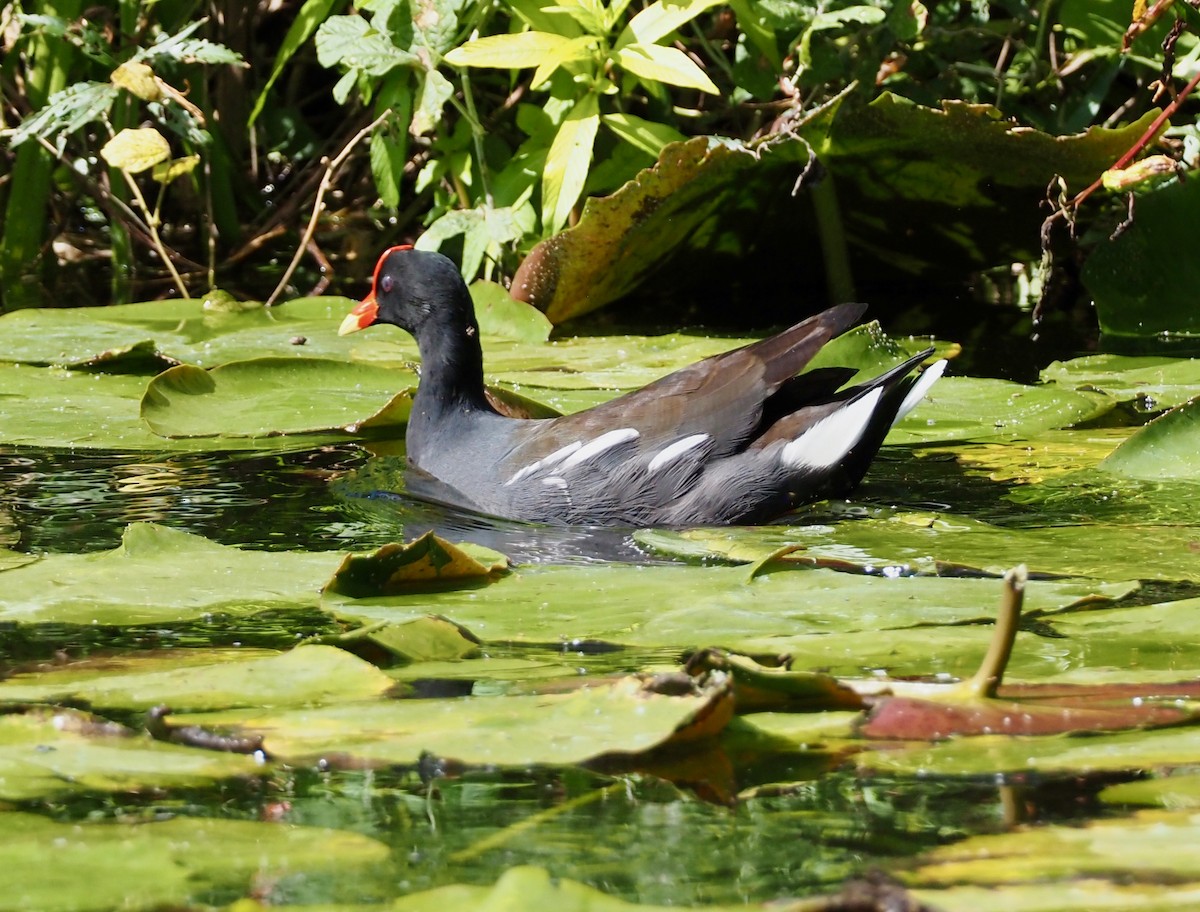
column 451, row 382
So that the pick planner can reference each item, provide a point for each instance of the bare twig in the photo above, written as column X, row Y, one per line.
column 322, row 189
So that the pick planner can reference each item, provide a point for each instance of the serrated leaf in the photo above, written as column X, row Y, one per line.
column 351, row 42
column 519, row 51
column 665, row 64
column 568, row 161
column 136, row 150
column 642, row 134
column 659, row 19
column 67, row 111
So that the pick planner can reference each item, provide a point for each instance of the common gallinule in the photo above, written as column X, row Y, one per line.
column 735, row 438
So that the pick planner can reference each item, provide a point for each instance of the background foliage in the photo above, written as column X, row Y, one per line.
column 480, row 127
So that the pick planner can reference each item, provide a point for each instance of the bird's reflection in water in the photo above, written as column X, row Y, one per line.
column 393, row 499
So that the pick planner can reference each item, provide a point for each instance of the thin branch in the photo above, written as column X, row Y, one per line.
column 322, row 189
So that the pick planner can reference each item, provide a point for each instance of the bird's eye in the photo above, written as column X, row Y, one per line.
column 386, row 284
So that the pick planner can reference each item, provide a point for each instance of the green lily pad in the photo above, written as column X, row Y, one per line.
column 939, row 543
column 681, row 607
column 1074, row 755
column 1168, row 447
column 1182, row 791
column 423, row 641
column 625, row 716
column 46, row 753
column 970, row 408
column 1077, row 894
column 159, row 574
column 210, row 680
column 162, row 864
column 1159, row 381
column 501, row 316
column 269, row 396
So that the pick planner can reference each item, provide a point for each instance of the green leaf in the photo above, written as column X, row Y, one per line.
column 310, row 15
column 568, row 162
column 161, row 575
column 575, row 49
column 165, row 172
column 659, row 19
column 517, row 51
column 67, row 111
column 656, row 63
column 1168, row 447
column 136, row 150
column 351, row 42
column 268, row 396
column 389, row 153
column 501, row 316
column 1156, row 382
column 642, row 134
column 207, row 680
column 433, row 93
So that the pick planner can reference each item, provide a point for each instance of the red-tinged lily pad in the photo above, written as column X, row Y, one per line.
column 1081, row 709
column 429, row 561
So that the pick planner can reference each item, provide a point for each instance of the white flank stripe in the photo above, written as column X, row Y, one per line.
column 599, row 445
column 546, row 461
column 914, row 396
column 554, row 481
column 675, row 450
column 824, row 444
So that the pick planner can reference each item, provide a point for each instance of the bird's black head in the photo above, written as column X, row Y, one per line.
column 413, row 289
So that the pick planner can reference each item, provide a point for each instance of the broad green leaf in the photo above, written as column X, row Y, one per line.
column 1174, row 791
column 1142, row 286
column 546, row 16
column 1167, row 448
column 352, row 43
column 177, row 863
column 624, row 716
column 642, row 134
column 516, row 51
column 500, row 316
column 310, row 15
column 49, row 753
column 270, row 396
column 208, row 680
column 388, row 156
column 679, row 607
column 659, row 19
column 136, row 150
column 160, row 575
column 568, row 161
column 966, row 408
column 933, row 542
column 656, row 63
column 1155, row 382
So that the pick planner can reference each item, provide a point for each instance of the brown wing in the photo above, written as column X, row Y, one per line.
column 721, row 396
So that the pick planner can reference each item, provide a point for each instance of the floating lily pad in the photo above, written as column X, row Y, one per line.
column 1168, row 447
column 47, row 753
column 172, row 863
column 265, row 397
column 971, row 408
column 681, row 607
column 942, row 543
column 159, row 574
column 1158, row 382
column 1180, row 791
column 305, row 675
column 626, row 716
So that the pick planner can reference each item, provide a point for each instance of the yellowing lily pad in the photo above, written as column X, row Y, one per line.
column 427, row 561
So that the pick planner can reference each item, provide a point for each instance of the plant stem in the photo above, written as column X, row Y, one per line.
column 323, row 187
column 156, row 239
column 476, row 136
column 839, row 280
column 986, row 680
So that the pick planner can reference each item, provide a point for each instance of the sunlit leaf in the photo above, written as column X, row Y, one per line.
column 515, row 51
column 659, row 19
column 137, row 79
column 165, row 172
column 1155, row 382
column 1168, row 447
column 413, row 566
column 656, row 63
column 568, row 161
column 136, row 150
column 642, row 134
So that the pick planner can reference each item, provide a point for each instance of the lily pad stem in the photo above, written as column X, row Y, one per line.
column 986, row 680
